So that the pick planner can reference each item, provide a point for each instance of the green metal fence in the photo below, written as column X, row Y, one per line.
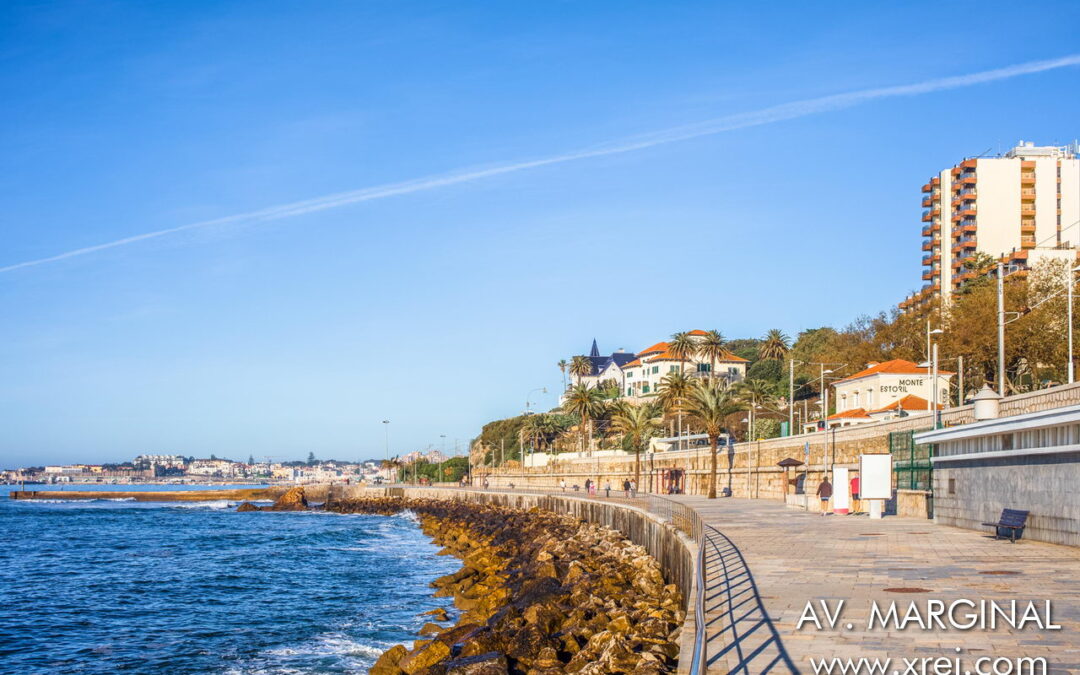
column 911, row 461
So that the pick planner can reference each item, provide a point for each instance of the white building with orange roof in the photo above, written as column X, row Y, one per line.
column 886, row 390
column 643, row 375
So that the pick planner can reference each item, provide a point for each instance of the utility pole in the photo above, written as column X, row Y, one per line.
column 791, row 398
column 1071, row 281
column 937, row 415
column 960, row 374
column 1001, row 327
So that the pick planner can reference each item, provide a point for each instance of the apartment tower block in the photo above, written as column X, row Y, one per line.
column 1018, row 207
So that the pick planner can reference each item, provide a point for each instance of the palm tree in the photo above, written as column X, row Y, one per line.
column 682, row 347
column 563, row 364
column 638, row 423
column 774, row 345
column 709, row 403
column 671, row 393
column 584, row 401
column 580, row 366
column 712, row 347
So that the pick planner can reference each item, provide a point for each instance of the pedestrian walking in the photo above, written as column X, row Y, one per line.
column 633, row 489
column 626, row 488
column 486, row 483
column 855, row 505
column 607, row 489
column 562, row 484
column 588, row 484
column 824, row 493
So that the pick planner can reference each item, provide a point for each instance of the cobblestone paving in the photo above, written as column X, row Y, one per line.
column 796, row 558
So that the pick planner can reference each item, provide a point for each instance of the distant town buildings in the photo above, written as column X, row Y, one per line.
column 177, row 468
column 1019, row 207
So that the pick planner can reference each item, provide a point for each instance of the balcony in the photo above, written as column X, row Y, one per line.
column 1027, row 209
column 928, row 230
column 928, row 275
column 968, row 164
column 928, row 245
column 927, row 201
column 927, row 188
column 966, row 179
column 966, row 193
column 1027, row 164
column 1021, row 254
column 965, row 228
column 1027, row 194
column 928, row 215
column 1027, row 178
column 1027, row 228
column 1027, row 241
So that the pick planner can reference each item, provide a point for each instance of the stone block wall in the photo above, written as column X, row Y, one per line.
column 969, row 493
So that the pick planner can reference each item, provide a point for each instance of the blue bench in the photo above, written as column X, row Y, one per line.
column 1011, row 525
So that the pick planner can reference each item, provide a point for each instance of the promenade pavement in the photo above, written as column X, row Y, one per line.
column 795, row 558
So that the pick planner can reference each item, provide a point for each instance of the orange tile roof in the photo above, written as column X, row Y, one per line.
column 909, row 402
column 635, row 362
column 658, row 347
column 848, row 414
column 696, row 332
column 893, row 367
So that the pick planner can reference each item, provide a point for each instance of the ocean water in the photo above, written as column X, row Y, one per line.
column 134, row 587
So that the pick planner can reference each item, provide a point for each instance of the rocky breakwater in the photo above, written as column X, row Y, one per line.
column 538, row 594
column 293, row 500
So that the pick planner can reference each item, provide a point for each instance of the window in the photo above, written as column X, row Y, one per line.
column 629, row 374
column 952, row 486
column 656, row 369
column 645, row 389
column 855, row 399
column 629, row 391
column 703, row 367
column 1006, row 441
column 672, row 369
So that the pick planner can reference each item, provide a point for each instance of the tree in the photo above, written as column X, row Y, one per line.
column 585, row 402
column 213, row 457
column 251, row 459
column 709, row 403
column 712, row 347
column 637, row 423
column 563, row 365
column 311, row 459
column 672, row 392
column 580, row 366
column 682, row 347
column 774, row 345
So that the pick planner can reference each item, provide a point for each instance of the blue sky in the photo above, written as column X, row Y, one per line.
column 440, row 309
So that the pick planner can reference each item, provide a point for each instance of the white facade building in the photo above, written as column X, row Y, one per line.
column 886, row 390
column 642, row 376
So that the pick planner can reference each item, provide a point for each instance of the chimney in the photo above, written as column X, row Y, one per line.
column 986, row 404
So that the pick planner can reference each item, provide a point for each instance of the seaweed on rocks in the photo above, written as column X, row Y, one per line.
column 538, row 593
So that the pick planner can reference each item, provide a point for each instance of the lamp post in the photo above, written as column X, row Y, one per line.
column 528, row 397
column 1072, row 282
column 442, row 462
column 387, row 427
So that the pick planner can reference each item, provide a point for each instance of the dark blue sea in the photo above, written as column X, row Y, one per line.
column 134, row 587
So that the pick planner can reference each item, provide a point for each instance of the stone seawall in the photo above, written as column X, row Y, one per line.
column 750, row 468
column 676, row 553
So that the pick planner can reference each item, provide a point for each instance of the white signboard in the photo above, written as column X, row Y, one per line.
column 875, row 476
column 841, row 496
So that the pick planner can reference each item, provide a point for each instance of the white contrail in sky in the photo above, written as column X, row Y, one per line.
column 778, row 113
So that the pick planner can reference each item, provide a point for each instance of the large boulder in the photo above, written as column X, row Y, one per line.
column 292, row 500
column 491, row 663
